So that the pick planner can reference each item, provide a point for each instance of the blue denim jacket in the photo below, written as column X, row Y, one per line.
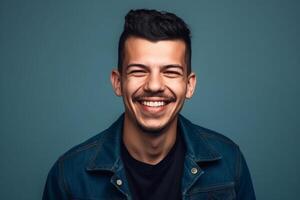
column 214, row 168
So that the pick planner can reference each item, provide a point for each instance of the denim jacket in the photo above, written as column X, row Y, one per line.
column 214, row 168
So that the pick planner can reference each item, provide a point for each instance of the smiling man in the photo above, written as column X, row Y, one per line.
column 151, row 151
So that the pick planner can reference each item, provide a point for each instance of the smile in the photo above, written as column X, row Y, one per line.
column 153, row 103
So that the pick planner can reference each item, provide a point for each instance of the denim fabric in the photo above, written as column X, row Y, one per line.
column 214, row 168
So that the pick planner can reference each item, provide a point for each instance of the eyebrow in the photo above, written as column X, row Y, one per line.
column 164, row 66
column 136, row 65
column 173, row 66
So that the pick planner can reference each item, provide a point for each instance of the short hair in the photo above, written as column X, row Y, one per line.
column 154, row 25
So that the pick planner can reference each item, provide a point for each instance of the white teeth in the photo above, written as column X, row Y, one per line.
column 153, row 103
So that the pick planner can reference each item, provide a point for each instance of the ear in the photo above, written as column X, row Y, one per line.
column 191, row 85
column 115, row 79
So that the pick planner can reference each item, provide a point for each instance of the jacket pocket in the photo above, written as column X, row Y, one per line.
column 215, row 192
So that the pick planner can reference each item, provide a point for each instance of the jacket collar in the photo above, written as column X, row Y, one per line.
column 108, row 152
column 196, row 144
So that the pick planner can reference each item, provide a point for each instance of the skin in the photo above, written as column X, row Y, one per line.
column 153, row 73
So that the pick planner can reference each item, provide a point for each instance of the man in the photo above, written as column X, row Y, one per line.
column 151, row 151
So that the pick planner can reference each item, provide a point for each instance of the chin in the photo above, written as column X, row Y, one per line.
column 152, row 128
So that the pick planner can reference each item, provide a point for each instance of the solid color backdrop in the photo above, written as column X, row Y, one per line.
column 56, row 58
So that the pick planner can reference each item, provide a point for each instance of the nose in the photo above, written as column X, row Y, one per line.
column 154, row 83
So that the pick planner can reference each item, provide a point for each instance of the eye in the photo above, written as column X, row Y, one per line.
column 137, row 72
column 172, row 73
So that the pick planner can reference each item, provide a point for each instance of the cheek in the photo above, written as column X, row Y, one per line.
column 130, row 86
column 178, row 87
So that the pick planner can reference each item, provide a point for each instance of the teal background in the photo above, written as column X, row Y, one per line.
column 56, row 58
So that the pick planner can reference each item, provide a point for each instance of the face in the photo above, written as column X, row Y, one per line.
column 154, row 82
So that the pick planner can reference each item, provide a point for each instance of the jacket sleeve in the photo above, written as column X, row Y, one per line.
column 55, row 187
column 244, row 186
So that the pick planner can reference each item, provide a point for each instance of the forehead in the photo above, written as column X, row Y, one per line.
column 154, row 52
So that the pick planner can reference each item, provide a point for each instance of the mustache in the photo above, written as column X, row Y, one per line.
column 165, row 97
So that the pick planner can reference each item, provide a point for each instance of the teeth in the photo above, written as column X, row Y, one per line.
column 153, row 103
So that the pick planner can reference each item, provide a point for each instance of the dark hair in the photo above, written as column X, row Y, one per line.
column 154, row 26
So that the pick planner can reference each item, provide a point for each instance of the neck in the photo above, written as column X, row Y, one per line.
column 148, row 147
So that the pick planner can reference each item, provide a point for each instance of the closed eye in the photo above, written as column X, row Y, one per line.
column 137, row 73
column 172, row 74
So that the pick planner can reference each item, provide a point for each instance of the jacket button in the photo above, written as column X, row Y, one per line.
column 194, row 170
column 119, row 182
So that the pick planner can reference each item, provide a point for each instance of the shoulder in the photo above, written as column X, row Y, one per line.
column 101, row 147
column 85, row 148
column 215, row 138
column 77, row 159
column 71, row 173
column 209, row 144
column 67, row 165
column 226, row 147
column 212, row 137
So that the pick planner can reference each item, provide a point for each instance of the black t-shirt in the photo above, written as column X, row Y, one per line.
column 155, row 182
